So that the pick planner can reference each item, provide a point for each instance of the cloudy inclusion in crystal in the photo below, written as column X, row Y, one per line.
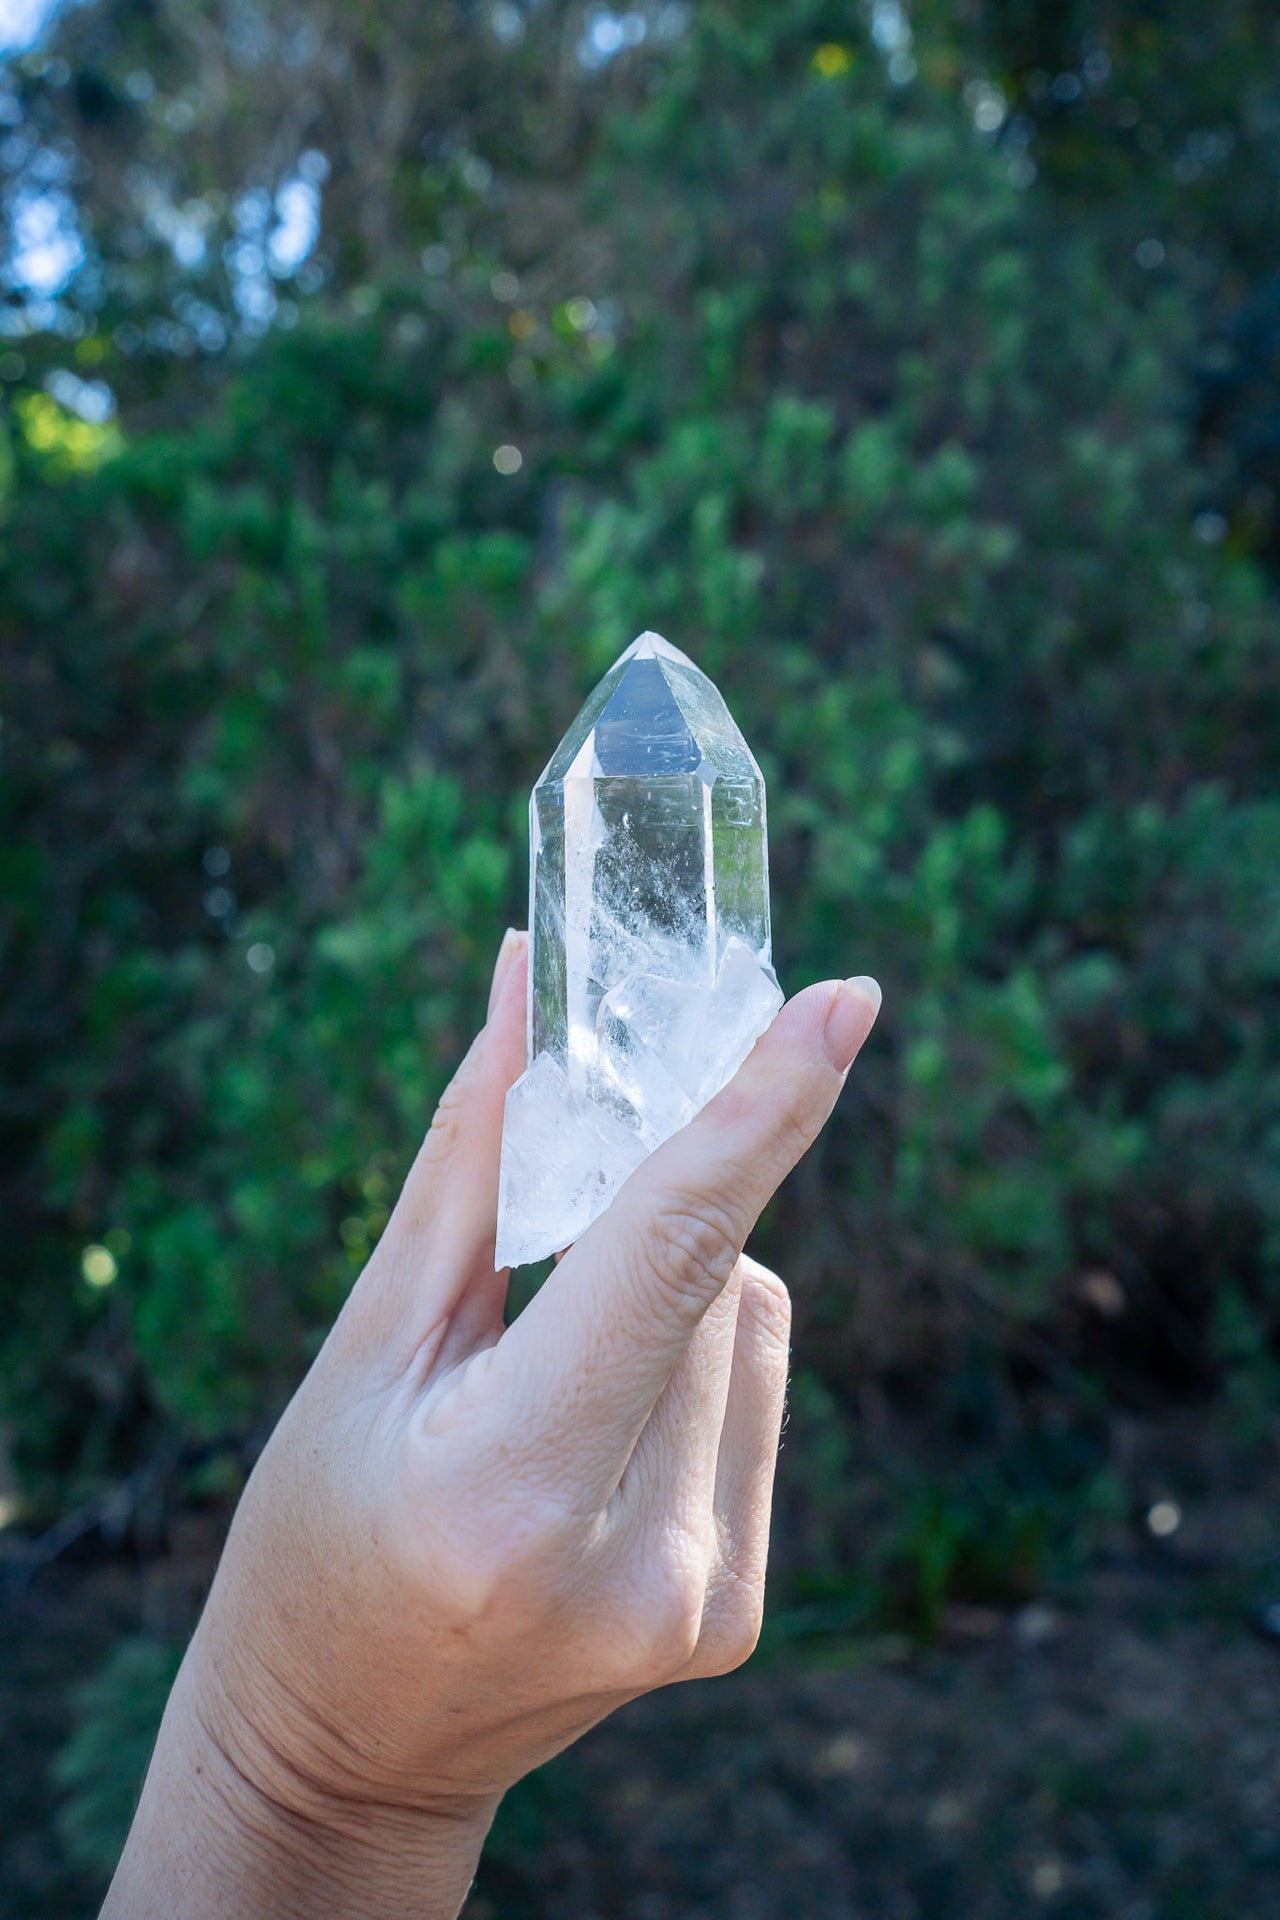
column 650, row 973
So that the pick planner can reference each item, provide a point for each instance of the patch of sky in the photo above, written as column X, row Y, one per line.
column 297, row 210
column 891, row 32
column 890, row 28
column 90, row 400
column 205, row 322
column 273, row 236
column 46, row 245
column 184, row 229
column 22, row 21
column 607, row 33
column 507, row 23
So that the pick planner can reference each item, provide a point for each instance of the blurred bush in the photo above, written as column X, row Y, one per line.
column 100, row 1769
column 747, row 337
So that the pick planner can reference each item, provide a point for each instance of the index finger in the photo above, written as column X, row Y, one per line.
column 592, row 1352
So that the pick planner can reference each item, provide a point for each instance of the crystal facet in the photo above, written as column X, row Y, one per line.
column 650, row 975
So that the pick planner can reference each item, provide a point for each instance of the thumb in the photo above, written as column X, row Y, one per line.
column 689, row 1209
column 609, row 1326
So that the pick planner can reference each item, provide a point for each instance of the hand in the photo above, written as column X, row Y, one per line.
column 463, row 1545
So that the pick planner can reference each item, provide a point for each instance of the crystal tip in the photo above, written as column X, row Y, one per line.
column 651, row 646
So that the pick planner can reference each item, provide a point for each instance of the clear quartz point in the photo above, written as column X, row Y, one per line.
column 650, row 974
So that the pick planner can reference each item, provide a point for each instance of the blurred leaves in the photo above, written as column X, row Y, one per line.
column 736, row 335
column 100, row 1768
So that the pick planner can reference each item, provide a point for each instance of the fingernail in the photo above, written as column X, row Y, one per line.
column 512, row 941
column 867, row 986
column 847, row 1023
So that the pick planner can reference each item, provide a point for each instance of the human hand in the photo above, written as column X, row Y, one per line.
column 463, row 1545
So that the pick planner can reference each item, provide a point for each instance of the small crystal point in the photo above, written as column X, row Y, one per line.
column 650, row 975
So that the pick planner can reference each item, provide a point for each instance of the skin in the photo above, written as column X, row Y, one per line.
column 464, row 1544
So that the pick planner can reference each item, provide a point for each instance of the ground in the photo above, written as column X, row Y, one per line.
column 1102, row 1762
column 1111, row 1756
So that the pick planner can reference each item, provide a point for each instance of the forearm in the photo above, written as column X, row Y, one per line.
column 209, row 1844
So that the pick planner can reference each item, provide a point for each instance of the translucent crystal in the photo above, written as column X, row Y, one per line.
column 650, row 975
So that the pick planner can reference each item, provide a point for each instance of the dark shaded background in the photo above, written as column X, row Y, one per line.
column 370, row 378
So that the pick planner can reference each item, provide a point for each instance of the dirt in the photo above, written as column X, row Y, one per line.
column 1083, row 1764
column 1114, row 1759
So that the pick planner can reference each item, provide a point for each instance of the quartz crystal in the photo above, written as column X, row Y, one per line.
column 650, row 976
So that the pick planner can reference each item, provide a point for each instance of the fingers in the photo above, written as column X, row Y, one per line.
column 671, row 1476
column 745, row 1468
column 688, row 1530
column 439, row 1240
column 596, row 1347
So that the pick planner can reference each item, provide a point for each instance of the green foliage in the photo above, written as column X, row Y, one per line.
column 993, row 1538
column 884, row 442
column 1017, row 1506
column 100, row 1768
column 262, row 701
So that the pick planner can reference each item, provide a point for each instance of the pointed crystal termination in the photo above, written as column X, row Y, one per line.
column 650, row 973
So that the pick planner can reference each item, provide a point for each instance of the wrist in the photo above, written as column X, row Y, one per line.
column 218, row 1836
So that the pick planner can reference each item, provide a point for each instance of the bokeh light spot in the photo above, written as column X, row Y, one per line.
column 98, row 1266
column 1164, row 1519
column 831, row 60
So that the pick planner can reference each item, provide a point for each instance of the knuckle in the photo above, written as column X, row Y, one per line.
column 510, row 1568
column 795, row 1114
column 767, row 1304
column 660, row 1628
column 796, row 1129
column 449, row 1118
column 446, row 1125
column 733, row 1628
column 671, row 1644
column 690, row 1246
